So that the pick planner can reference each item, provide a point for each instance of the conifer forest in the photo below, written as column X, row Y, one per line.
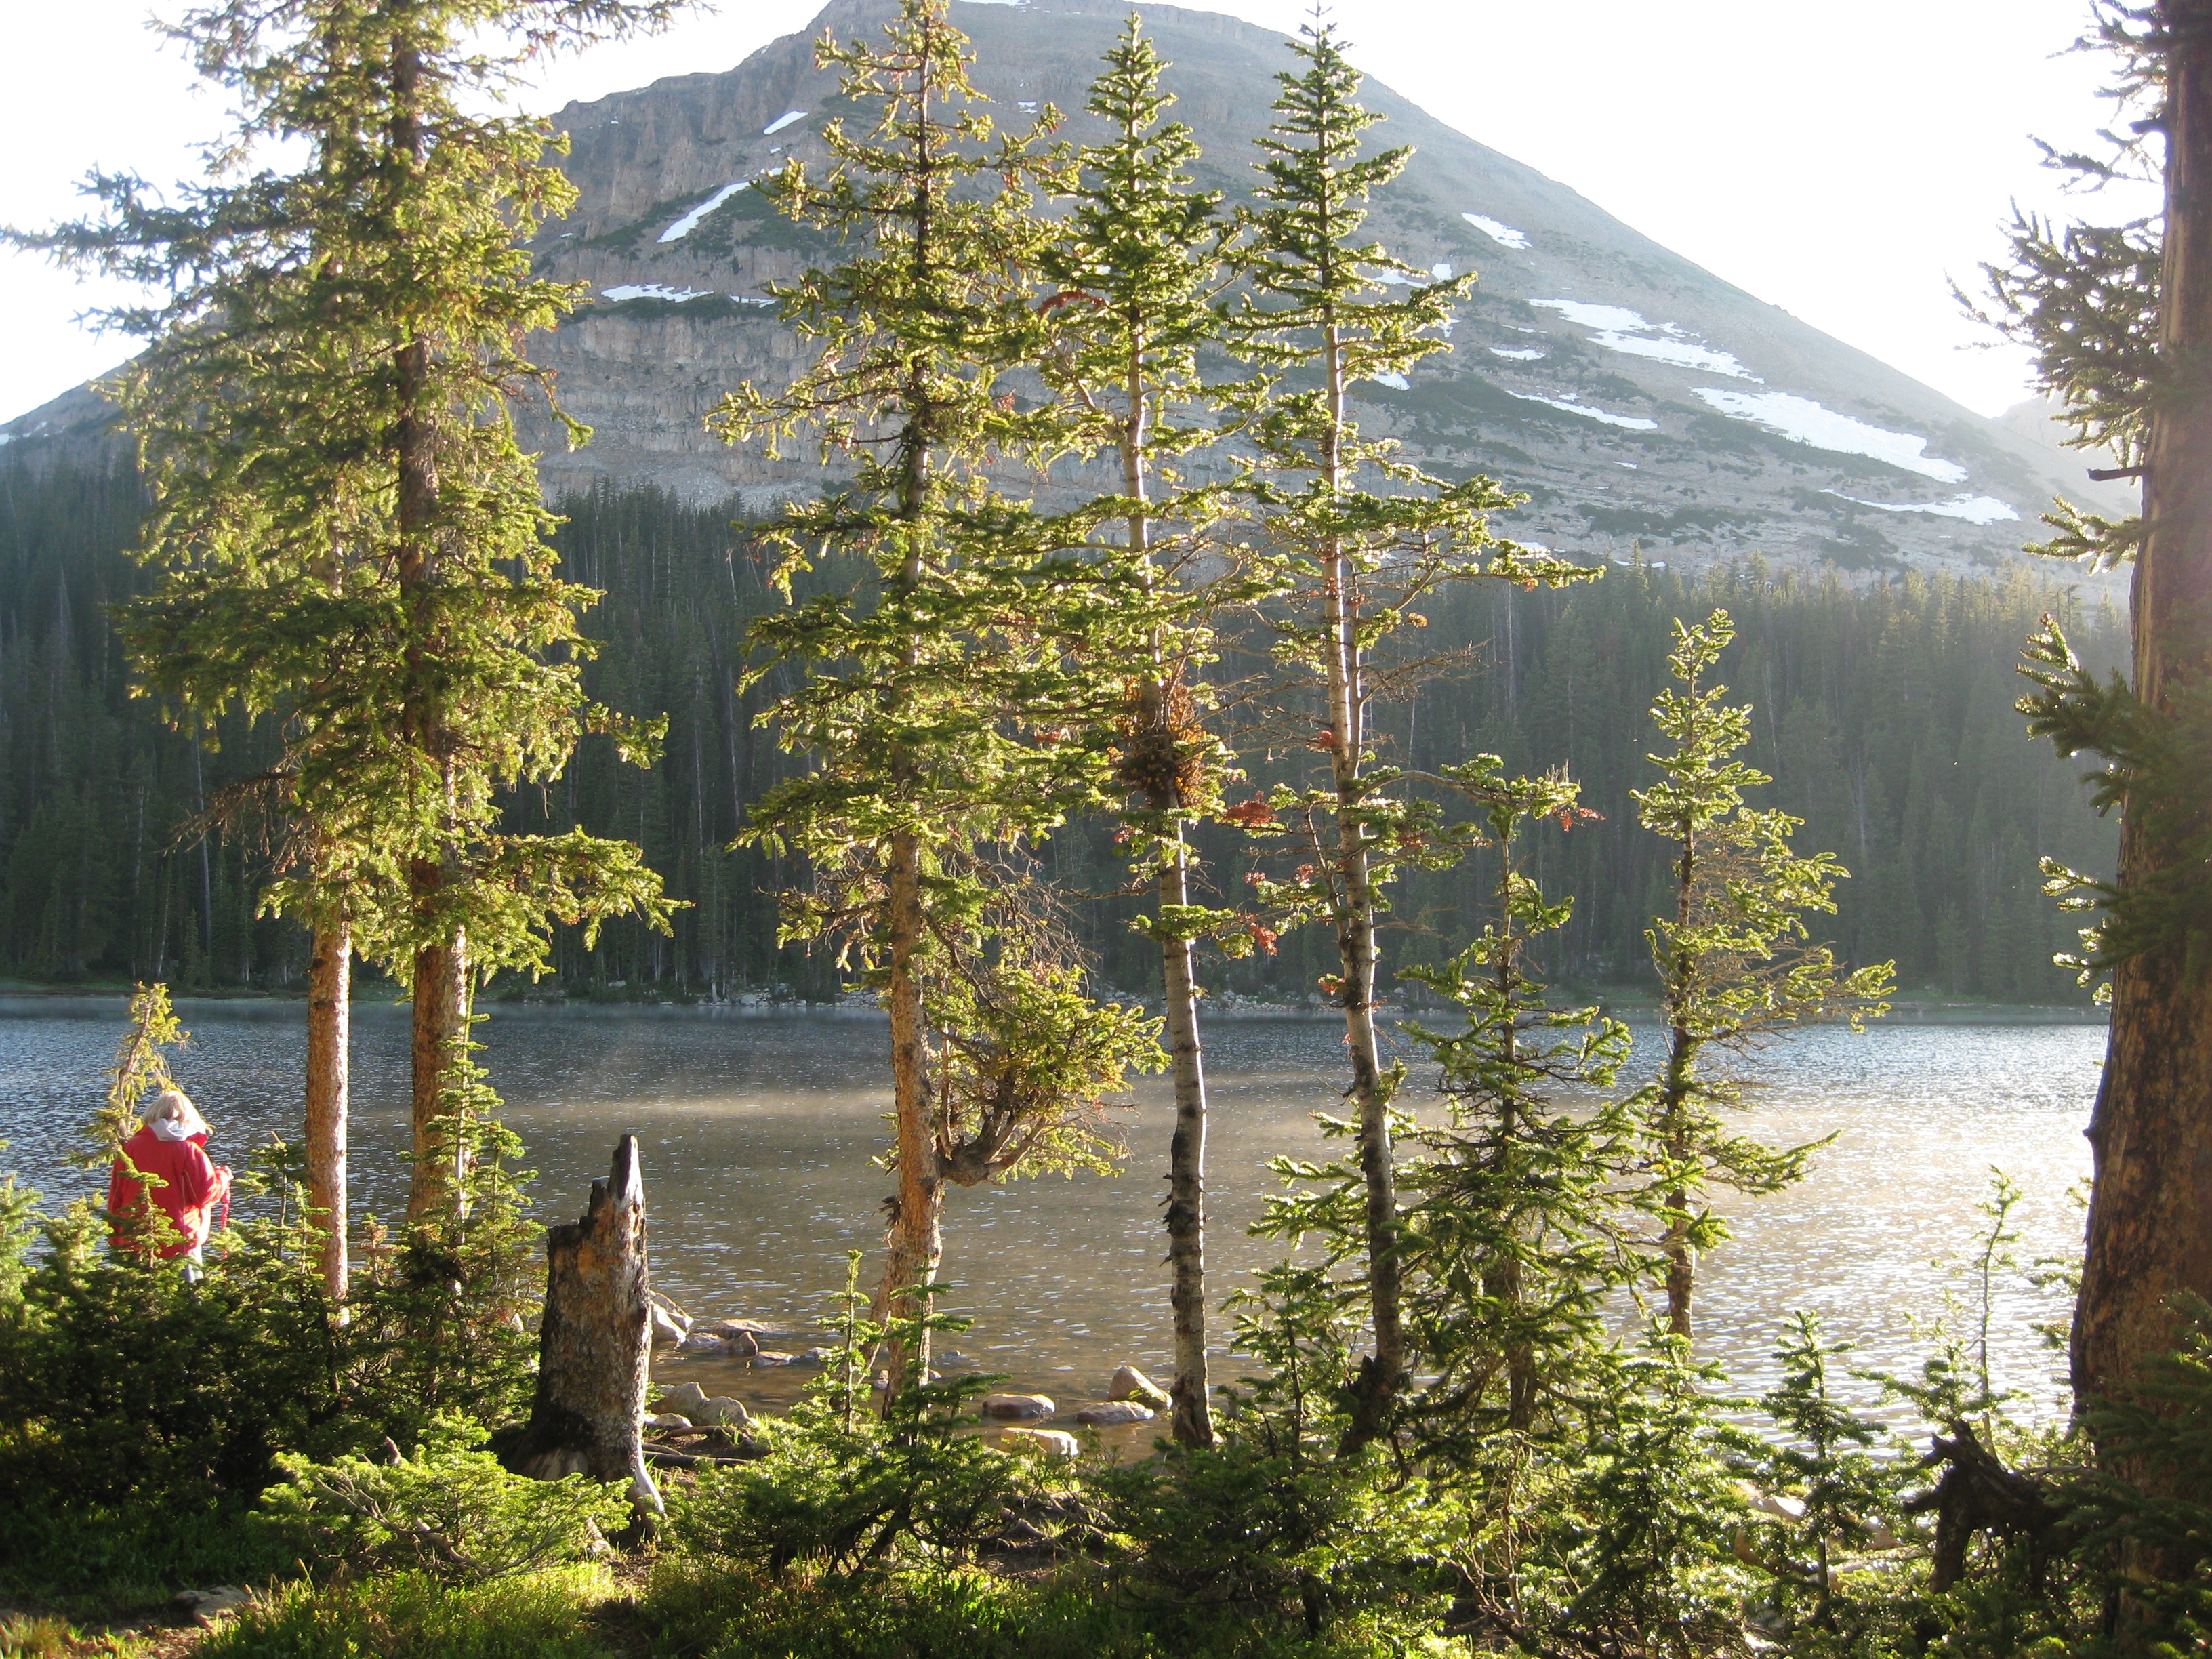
column 1118, row 672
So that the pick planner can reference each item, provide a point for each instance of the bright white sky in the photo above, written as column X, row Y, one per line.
column 1841, row 161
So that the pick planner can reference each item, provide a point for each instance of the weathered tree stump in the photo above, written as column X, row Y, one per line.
column 594, row 1347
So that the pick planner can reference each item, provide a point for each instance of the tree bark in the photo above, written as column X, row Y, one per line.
column 1192, row 1421
column 441, row 1026
column 2150, row 1216
column 330, row 1020
column 594, row 1345
column 1383, row 1371
column 917, row 1211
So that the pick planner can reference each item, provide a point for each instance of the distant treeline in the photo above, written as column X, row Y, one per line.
column 1883, row 711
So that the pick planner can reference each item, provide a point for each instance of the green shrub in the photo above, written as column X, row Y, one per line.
column 700, row 1609
column 450, row 1511
column 847, row 1494
column 411, row 1615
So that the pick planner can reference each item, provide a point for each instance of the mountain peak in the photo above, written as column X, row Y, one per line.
column 1642, row 403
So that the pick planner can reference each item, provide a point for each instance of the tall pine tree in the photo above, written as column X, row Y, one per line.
column 1132, row 275
column 1372, row 537
column 348, row 534
column 951, row 678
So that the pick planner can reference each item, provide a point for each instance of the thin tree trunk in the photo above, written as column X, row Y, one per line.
column 1503, row 1284
column 917, row 1238
column 1192, row 1417
column 1384, row 1371
column 441, row 1027
column 594, row 1345
column 1681, row 1057
column 330, row 1020
column 2150, row 1217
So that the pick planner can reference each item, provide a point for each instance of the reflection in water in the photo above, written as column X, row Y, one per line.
column 759, row 1135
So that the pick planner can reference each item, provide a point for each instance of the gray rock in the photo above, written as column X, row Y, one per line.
column 1130, row 1383
column 1111, row 1412
column 740, row 1347
column 688, row 1398
column 770, row 1357
column 1039, row 1443
column 666, row 1326
column 1016, row 1407
column 662, row 1420
column 208, row 1605
column 720, row 1411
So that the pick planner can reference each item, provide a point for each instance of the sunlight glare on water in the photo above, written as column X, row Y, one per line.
column 759, row 1132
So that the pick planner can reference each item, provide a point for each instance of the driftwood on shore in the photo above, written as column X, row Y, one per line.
column 595, row 1343
column 1978, row 1493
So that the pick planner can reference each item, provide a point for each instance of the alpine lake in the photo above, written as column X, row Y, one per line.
column 760, row 1130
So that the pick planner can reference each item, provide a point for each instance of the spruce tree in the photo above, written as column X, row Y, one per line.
column 1735, row 962
column 1132, row 275
column 2120, row 319
column 1516, row 1233
column 950, row 683
column 348, row 533
column 1368, row 554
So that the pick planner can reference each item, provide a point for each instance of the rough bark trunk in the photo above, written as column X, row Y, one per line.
column 2150, row 1217
column 441, row 1026
column 330, row 1020
column 916, row 1230
column 594, row 1346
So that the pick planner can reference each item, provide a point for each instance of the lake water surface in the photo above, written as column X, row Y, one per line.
column 758, row 1134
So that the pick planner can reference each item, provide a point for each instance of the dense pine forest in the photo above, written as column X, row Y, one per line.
column 1883, row 710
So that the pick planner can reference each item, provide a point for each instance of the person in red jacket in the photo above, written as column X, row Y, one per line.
column 170, row 1155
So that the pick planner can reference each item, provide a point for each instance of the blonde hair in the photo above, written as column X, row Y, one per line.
column 174, row 1104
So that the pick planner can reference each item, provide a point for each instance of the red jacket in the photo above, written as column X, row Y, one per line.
column 191, row 1187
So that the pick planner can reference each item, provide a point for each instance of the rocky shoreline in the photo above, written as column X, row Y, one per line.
column 685, row 1425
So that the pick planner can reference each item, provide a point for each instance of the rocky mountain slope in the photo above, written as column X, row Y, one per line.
column 1641, row 402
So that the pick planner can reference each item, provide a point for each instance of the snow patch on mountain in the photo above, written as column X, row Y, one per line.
column 1633, row 422
column 653, row 291
column 783, row 121
column 1396, row 382
column 1504, row 235
column 1806, row 422
column 690, row 222
column 1974, row 509
column 1518, row 354
column 1618, row 329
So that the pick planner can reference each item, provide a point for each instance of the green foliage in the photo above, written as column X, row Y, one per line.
column 1514, row 1237
column 449, row 1510
column 121, row 1381
column 2156, row 763
column 702, row 1610
column 413, row 1615
column 1824, row 1464
column 1733, row 959
column 1369, row 554
column 1272, row 1518
column 1634, row 1524
column 24, row 1635
column 350, row 537
column 847, row 1490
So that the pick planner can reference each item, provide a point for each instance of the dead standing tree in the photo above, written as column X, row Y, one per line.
column 594, row 1347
